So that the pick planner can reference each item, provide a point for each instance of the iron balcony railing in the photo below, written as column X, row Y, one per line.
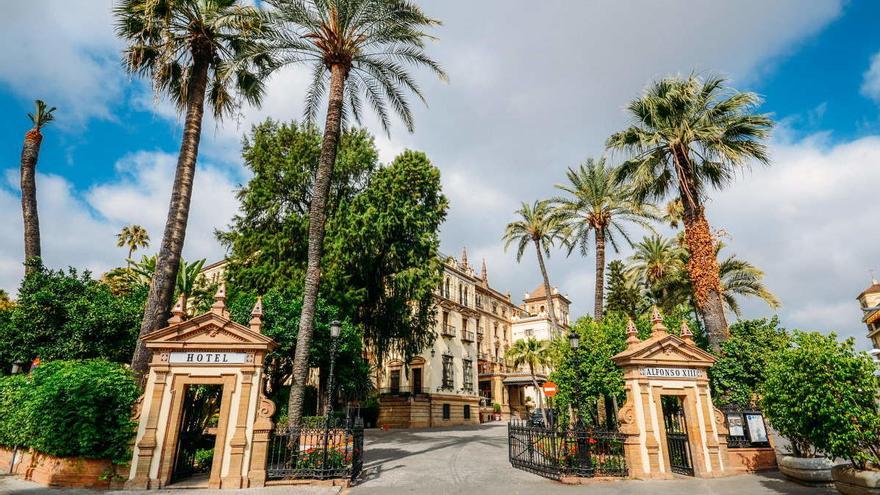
column 468, row 336
column 448, row 331
column 334, row 450
column 404, row 391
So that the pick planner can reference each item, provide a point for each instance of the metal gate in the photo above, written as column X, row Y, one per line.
column 677, row 444
column 197, row 434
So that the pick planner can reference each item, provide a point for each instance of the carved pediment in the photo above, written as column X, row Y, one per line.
column 664, row 349
column 209, row 331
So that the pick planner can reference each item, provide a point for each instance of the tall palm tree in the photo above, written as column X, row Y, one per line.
column 598, row 207
column 654, row 262
column 531, row 353
column 133, row 236
column 357, row 49
column 194, row 51
column 30, row 153
column 741, row 278
column 690, row 135
column 538, row 225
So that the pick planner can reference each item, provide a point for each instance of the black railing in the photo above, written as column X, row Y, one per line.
column 335, row 450
column 447, row 331
column 404, row 391
column 556, row 452
column 467, row 336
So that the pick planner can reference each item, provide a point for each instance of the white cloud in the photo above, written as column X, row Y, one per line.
column 64, row 52
column 79, row 230
column 871, row 79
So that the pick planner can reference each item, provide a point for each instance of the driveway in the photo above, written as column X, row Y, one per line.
column 473, row 459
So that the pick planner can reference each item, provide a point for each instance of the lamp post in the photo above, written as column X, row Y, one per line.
column 335, row 330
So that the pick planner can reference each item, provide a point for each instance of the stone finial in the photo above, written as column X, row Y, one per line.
column 219, row 306
column 178, row 312
column 686, row 333
column 484, row 272
column 464, row 261
column 657, row 326
column 256, row 322
column 632, row 334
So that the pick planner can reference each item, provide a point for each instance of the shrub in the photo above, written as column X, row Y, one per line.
column 70, row 409
column 820, row 394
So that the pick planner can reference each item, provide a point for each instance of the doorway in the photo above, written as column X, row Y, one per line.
column 677, row 443
column 197, row 437
column 416, row 381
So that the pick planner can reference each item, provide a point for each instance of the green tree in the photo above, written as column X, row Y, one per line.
column 197, row 292
column 134, row 237
column 597, row 206
column 821, row 395
column 30, row 153
column 194, row 52
column 383, row 256
column 537, row 224
column 359, row 47
column 739, row 278
column 741, row 368
column 268, row 239
column 68, row 315
column 655, row 264
column 621, row 295
column 531, row 353
column 690, row 135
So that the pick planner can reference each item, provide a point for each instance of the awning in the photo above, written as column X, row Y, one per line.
column 523, row 379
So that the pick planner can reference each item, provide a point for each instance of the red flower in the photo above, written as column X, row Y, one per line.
column 593, row 441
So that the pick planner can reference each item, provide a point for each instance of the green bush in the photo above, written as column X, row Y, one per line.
column 820, row 394
column 70, row 409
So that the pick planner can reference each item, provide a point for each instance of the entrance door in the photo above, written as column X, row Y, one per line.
column 677, row 445
column 417, row 381
column 197, row 435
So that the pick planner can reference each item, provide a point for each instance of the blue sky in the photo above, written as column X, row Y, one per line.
column 516, row 113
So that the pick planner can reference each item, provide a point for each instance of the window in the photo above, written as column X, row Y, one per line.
column 446, row 291
column 461, row 295
column 446, row 411
column 468, row 374
column 395, row 381
column 447, row 372
column 529, row 332
column 467, row 411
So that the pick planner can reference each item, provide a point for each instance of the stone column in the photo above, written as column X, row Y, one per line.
column 238, row 442
column 260, row 445
column 147, row 444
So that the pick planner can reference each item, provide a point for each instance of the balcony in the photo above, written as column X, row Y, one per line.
column 483, row 356
column 467, row 336
column 447, row 331
column 404, row 391
column 480, row 333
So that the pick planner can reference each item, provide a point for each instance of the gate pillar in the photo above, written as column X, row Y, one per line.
column 671, row 425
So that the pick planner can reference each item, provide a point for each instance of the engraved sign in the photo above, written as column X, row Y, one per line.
column 208, row 358
column 671, row 372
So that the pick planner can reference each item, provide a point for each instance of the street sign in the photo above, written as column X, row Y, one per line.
column 549, row 389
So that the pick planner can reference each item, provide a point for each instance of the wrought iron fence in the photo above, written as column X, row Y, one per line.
column 335, row 450
column 575, row 451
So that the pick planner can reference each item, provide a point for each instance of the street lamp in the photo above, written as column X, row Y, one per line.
column 574, row 340
column 335, row 330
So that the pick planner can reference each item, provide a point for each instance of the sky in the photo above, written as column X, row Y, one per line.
column 534, row 88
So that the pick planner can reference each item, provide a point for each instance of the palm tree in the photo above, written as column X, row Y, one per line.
column 690, row 135
column 655, row 261
column 189, row 281
column 355, row 48
column 597, row 206
column 537, row 224
column 133, row 236
column 194, row 51
column 30, row 153
column 741, row 278
column 532, row 353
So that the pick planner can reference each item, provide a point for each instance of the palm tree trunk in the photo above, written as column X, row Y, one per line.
column 161, row 291
column 30, row 152
column 128, row 260
column 317, row 216
column 547, row 289
column 600, row 275
column 539, row 393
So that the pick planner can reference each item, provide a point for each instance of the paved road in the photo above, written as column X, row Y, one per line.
column 13, row 486
column 474, row 460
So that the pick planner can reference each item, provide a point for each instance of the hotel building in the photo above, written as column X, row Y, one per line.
column 869, row 300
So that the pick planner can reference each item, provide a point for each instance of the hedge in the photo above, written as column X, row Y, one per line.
column 70, row 409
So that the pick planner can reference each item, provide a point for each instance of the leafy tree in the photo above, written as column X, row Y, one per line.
column 598, row 206
column 742, row 366
column 531, row 353
column 384, row 256
column 621, row 296
column 194, row 52
column 537, row 224
column 30, row 153
column 5, row 301
column 655, row 264
column 281, row 313
column 359, row 47
column 821, row 395
column 134, row 237
column 268, row 239
column 690, row 135
column 68, row 315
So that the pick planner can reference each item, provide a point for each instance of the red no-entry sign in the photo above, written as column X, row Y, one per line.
column 549, row 389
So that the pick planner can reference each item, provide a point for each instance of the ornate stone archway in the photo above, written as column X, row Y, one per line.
column 209, row 349
column 666, row 365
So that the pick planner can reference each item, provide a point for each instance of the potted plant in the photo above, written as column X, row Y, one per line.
column 792, row 381
column 496, row 411
column 841, row 409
